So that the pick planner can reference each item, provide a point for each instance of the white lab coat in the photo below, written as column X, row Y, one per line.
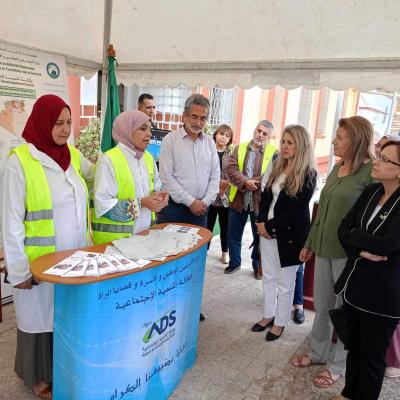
column 34, row 307
column 106, row 189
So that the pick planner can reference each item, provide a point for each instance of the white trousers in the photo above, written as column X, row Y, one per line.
column 278, row 283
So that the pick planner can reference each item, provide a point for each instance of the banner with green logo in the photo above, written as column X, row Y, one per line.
column 128, row 338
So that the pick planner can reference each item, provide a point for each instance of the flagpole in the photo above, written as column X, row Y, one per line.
column 108, row 5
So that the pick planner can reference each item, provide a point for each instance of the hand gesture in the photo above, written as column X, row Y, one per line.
column 262, row 231
column 198, row 207
column 305, row 254
column 252, row 185
column 25, row 285
column 154, row 202
column 163, row 194
column 223, row 186
column 372, row 257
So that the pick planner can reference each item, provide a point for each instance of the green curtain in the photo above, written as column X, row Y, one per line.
column 112, row 110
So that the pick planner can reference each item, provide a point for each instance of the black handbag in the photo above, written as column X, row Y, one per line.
column 338, row 319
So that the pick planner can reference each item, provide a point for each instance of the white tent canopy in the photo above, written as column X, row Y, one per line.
column 314, row 43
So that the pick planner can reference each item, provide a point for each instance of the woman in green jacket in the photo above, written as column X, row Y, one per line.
column 343, row 186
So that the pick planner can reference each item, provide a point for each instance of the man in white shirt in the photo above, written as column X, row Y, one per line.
column 189, row 167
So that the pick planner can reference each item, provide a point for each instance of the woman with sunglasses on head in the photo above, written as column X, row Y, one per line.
column 283, row 224
column 344, row 184
column 223, row 139
column 370, row 283
column 44, row 208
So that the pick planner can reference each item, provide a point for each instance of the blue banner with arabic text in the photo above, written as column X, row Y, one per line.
column 131, row 337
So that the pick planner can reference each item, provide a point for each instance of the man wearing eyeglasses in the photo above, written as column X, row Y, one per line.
column 189, row 167
column 147, row 104
column 247, row 164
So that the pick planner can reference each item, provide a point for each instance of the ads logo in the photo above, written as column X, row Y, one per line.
column 52, row 70
column 160, row 326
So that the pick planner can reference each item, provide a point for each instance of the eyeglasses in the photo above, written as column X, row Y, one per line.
column 385, row 160
column 195, row 117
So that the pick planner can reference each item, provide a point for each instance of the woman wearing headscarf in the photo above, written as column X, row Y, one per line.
column 43, row 187
column 127, row 187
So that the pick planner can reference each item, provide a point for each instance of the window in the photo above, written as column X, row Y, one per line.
column 322, row 112
column 170, row 104
column 222, row 104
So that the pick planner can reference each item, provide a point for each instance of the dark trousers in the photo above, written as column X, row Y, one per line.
column 223, row 215
column 298, row 297
column 369, row 336
column 236, row 224
column 175, row 212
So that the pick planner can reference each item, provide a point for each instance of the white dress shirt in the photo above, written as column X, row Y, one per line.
column 189, row 170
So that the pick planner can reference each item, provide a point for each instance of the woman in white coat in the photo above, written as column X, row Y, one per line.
column 127, row 186
column 43, row 205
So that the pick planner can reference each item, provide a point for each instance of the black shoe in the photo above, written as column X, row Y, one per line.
column 271, row 336
column 298, row 316
column 202, row 317
column 261, row 328
column 230, row 269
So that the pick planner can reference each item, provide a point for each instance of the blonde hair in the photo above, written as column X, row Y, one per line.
column 361, row 134
column 303, row 162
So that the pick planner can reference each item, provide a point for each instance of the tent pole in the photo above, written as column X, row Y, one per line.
column 108, row 5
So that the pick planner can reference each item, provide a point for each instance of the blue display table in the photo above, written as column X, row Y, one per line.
column 130, row 335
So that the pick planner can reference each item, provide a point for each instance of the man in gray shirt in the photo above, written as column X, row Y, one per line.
column 189, row 167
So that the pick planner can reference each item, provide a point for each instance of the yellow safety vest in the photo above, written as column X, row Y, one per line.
column 105, row 230
column 269, row 151
column 39, row 224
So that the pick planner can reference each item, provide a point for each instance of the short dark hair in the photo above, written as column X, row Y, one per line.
column 392, row 143
column 143, row 97
column 224, row 128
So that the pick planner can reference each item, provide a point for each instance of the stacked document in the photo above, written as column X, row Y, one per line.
column 158, row 244
column 82, row 263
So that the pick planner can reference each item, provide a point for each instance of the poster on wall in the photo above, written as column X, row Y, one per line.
column 25, row 75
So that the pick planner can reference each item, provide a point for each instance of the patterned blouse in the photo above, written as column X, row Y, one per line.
column 224, row 165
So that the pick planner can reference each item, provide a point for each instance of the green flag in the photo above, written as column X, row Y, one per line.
column 112, row 110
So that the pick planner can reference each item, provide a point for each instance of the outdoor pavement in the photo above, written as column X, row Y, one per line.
column 233, row 363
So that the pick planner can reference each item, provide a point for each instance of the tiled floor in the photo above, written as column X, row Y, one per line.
column 233, row 363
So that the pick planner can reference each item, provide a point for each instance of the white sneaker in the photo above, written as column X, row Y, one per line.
column 391, row 372
column 225, row 258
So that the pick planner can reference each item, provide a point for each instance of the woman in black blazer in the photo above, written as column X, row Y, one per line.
column 283, row 224
column 370, row 282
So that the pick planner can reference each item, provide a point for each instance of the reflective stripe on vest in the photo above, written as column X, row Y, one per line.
column 39, row 224
column 269, row 151
column 36, row 215
column 104, row 229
